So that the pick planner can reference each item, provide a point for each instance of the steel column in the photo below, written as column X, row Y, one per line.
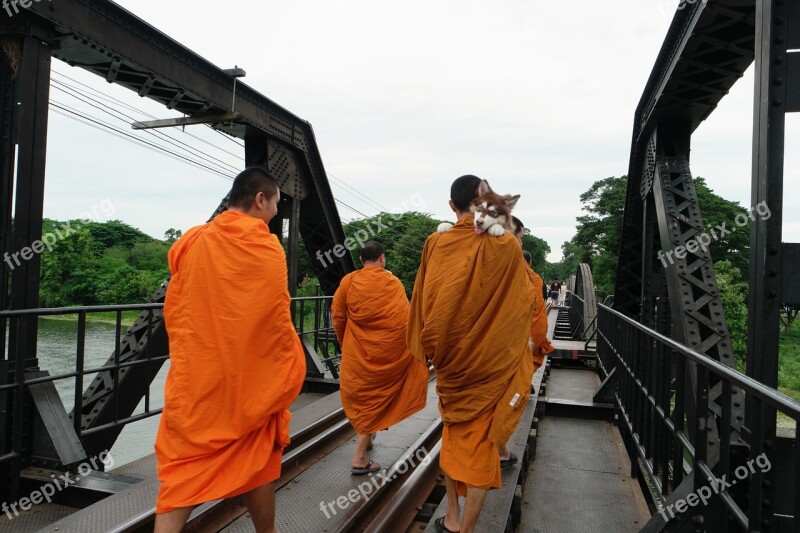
column 293, row 244
column 771, row 74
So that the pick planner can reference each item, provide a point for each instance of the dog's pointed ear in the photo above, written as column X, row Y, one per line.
column 484, row 188
column 511, row 201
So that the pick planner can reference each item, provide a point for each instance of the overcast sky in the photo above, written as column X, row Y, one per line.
column 537, row 97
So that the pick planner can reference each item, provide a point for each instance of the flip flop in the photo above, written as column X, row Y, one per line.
column 512, row 460
column 439, row 523
column 366, row 469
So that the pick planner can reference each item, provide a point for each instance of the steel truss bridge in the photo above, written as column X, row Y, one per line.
column 663, row 353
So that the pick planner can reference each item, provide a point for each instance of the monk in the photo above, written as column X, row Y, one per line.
column 236, row 361
column 381, row 384
column 540, row 344
column 470, row 316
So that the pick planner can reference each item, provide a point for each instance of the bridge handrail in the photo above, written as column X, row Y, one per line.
column 17, row 361
column 643, row 362
column 771, row 396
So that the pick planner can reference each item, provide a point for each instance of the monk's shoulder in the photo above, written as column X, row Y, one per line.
column 392, row 280
column 184, row 243
column 344, row 283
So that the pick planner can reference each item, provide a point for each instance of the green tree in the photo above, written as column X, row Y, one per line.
column 596, row 240
column 64, row 266
column 402, row 236
column 149, row 256
column 114, row 233
column 716, row 211
column 732, row 291
column 172, row 235
column 94, row 263
column 538, row 249
column 597, row 237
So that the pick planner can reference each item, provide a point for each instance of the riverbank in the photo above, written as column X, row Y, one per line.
column 110, row 317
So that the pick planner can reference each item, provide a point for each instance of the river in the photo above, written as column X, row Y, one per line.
column 56, row 351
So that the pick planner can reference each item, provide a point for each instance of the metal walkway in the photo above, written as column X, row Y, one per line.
column 580, row 477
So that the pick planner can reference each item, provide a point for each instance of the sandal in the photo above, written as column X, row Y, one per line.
column 439, row 523
column 512, row 460
column 366, row 469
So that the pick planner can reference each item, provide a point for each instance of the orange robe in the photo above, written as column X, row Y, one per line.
column 381, row 384
column 236, row 363
column 470, row 316
column 541, row 344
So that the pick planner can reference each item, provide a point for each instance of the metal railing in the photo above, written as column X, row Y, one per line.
column 311, row 317
column 312, row 320
column 577, row 314
column 670, row 441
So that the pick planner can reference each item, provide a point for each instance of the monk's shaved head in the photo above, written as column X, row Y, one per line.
column 248, row 184
column 463, row 191
column 372, row 251
column 527, row 255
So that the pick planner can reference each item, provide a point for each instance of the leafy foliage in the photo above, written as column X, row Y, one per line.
column 538, row 249
column 100, row 263
column 596, row 240
column 732, row 291
column 402, row 236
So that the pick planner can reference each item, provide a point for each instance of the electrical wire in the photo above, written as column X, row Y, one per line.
column 64, row 110
column 208, row 163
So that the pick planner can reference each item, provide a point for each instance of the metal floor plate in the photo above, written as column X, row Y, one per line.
column 34, row 519
column 579, row 481
column 579, row 444
column 298, row 504
column 571, row 384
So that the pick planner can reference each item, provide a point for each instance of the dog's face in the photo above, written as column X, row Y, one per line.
column 491, row 208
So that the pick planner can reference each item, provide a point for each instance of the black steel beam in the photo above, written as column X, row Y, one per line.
column 105, row 39
column 101, row 36
column 708, row 47
column 774, row 32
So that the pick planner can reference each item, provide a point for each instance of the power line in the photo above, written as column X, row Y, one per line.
column 355, row 192
column 64, row 110
column 157, row 134
column 209, row 163
column 103, row 96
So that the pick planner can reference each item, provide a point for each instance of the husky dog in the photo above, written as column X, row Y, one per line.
column 492, row 212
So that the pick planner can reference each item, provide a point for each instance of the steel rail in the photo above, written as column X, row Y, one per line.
column 304, row 444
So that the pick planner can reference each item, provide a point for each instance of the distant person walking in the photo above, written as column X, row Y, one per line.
column 381, row 384
column 554, row 288
column 562, row 294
